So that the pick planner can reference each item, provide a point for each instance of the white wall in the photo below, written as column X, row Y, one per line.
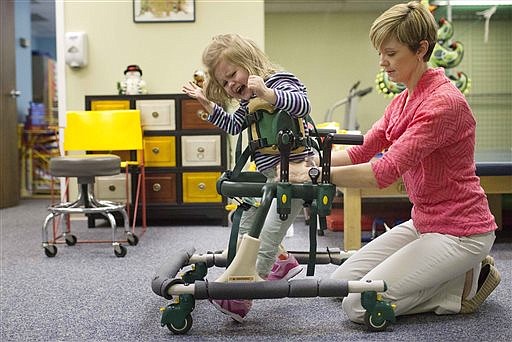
column 329, row 52
column 168, row 53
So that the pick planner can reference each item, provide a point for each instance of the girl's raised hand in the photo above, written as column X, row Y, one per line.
column 196, row 92
column 257, row 85
column 192, row 90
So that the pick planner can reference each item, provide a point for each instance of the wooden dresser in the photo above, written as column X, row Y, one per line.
column 183, row 155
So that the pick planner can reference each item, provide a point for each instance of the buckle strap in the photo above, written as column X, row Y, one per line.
column 253, row 117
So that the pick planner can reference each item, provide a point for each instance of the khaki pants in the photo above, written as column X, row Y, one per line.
column 423, row 272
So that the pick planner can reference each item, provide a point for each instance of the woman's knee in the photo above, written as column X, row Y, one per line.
column 353, row 308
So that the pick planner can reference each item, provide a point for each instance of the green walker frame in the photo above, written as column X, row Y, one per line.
column 240, row 280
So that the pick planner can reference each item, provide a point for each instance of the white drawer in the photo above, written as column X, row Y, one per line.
column 157, row 114
column 112, row 188
column 200, row 150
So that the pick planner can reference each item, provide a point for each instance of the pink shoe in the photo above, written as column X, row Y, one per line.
column 234, row 308
column 285, row 269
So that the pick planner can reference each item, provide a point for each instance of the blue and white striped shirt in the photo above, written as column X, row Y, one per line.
column 291, row 97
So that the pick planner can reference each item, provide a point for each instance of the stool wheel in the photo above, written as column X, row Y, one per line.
column 120, row 251
column 50, row 251
column 71, row 240
column 133, row 239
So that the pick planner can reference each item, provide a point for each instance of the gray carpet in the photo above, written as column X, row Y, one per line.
column 86, row 293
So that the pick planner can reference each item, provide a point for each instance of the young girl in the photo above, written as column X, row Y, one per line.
column 238, row 70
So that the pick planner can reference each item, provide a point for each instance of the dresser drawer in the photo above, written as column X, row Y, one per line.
column 112, row 188
column 200, row 187
column 160, row 188
column 193, row 116
column 200, row 150
column 157, row 114
column 160, row 151
column 125, row 155
column 110, row 104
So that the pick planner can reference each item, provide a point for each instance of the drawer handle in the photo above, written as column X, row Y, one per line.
column 201, row 186
column 200, row 149
column 155, row 114
column 157, row 187
column 202, row 115
column 112, row 187
column 155, row 150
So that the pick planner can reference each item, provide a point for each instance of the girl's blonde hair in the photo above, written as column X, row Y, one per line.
column 409, row 24
column 240, row 51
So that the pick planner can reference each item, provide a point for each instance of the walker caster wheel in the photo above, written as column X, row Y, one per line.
column 120, row 251
column 176, row 316
column 133, row 239
column 375, row 322
column 181, row 329
column 70, row 240
column 379, row 313
column 50, row 251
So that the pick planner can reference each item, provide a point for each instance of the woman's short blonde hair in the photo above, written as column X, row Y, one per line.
column 239, row 51
column 409, row 24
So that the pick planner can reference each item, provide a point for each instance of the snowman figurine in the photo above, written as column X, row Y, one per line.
column 132, row 83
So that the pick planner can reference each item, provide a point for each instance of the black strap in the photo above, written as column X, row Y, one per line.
column 240, row 162
column 313, row 215
column 315, row 143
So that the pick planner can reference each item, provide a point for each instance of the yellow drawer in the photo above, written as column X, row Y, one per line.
column 160, row 151
column 200, row 187
column 110, row 104
column 112, row 188
column 156, row 114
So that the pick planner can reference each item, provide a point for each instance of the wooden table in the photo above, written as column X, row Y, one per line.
column 493, row 167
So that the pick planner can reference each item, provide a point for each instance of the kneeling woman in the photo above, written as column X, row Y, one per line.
column 437, row 261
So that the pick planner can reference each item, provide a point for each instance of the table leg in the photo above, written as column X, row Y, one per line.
column 351, row 218
column 496, row 208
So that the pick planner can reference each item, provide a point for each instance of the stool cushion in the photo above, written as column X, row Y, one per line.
column 86, row 165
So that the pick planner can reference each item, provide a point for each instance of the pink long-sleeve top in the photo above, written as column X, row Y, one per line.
column 430, row 141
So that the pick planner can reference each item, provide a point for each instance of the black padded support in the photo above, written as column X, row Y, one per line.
column 163, row 278
column 331, row 256
column 332, row 288
column 312, row 240
column 305, row 288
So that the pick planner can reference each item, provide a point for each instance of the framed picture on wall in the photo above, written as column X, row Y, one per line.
column 164, row 11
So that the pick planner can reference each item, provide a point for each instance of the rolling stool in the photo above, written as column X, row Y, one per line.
column 85, row 168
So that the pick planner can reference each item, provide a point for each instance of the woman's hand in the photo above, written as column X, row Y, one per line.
column 196, row 92
column 258, row 87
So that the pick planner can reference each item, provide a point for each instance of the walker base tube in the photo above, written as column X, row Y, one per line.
column 333, row 256
column 295, row 288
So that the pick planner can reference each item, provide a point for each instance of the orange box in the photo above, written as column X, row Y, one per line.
column 335, row 221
